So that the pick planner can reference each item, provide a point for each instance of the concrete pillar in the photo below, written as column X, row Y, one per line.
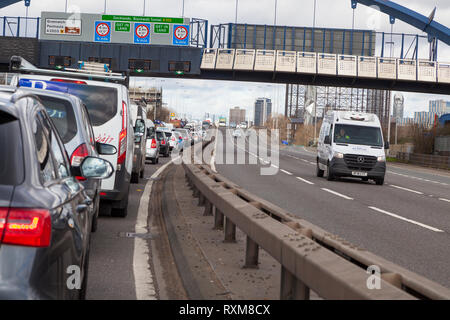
column 251, row 254
column 230, row 231
column 218, row 220
column 291, row 288
column 208, row 208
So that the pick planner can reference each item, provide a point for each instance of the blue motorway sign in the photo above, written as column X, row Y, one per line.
column 141, row 32
column 180, row 36
column 102, row 31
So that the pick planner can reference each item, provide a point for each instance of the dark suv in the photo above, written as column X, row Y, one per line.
column 44, row 210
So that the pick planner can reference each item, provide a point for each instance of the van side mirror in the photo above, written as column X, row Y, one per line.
column 386, row 145
column 327, row 140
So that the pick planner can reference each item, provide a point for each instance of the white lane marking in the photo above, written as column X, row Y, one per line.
column 406, row 189
column 337, row 194
column 143, row 276
column 304, row 160
column 304, row 180
column 418, row 178
column 287, row 172
column 313, row 163
column 275, row 166
column 406, row 219
column 308, row 151
column 443, row 199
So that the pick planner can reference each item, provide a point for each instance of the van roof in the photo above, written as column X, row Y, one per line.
column 355, row 118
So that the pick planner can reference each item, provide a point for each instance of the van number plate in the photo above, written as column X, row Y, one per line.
column 359, row 174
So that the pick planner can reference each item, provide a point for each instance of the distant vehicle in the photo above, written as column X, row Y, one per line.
column 44, row 210
column 232, row 125
column 176, row 123
column 243, row 125
column 185, row 135
column 206, row 124
column 164, row 142
column 152, row 149
column 351, row 145
column 222, row 122
column 237, row 133
column 138, row 116
column 107, row 101
column 179, row 140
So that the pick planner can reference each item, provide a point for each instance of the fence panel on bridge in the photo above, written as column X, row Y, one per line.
column 326, row 63
column 426, row 71
column 406, row 69
column 244, row 60
column 367, row 67
column 265, row 60
column 387, row 68
column 209, row 59
column 225, row 59
column 347, row 65
column 286, row 61
column 444, row 72
column 306, row 62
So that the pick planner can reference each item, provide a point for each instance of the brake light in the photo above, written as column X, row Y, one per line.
column 153, row 143
column 163, row 142
column 123, row 136
column 25, row 227
column 122, row 146
column 68, row 81
column 78, row 156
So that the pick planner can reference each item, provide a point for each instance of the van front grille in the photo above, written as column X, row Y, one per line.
column 360, row 162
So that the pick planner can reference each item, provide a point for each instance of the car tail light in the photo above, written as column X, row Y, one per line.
column 25, row 227
column 163, row 142
column 123, row 136
column 78, row 156
column 153, row 143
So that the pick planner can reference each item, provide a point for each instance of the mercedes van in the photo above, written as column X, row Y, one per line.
column 106, row 98
column 351, row 145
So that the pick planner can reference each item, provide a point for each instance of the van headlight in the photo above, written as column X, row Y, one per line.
column 338, row 155
column 381, row 159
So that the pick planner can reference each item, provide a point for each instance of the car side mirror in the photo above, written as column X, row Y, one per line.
column 386, row 145
column 327, row 140
column 96, row 168
column 106, row 149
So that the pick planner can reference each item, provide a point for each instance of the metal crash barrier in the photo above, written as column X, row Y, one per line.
column 326, row 64
column 310, row 258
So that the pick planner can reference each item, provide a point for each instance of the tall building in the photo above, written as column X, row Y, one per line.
column 237, row 115
column 263, row 110
column 425, row 118
column 439, row 106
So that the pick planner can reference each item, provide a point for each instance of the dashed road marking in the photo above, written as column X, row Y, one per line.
column 406, row 189
column 406, row 219
column 443, row 199
column 337, row 194
column 304, row 180
column 287, row 172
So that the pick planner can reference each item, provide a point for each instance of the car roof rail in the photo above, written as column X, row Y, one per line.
column 87, row 70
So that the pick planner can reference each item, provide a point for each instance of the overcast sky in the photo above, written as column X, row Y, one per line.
column 199, row 96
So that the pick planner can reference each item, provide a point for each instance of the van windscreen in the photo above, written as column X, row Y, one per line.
column 351, row 134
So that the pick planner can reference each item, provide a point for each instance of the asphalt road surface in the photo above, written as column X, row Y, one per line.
column 111, row 274
column 406, row 221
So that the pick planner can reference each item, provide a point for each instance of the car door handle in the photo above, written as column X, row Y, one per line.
column 81, row 208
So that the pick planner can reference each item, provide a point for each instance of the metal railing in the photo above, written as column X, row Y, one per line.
column 426, row 160
column 310, row 258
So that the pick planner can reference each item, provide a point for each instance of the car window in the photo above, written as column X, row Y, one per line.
column 58, row 152
column 11, row 162
column 159, row 135
column 88, row 125
column 62, row 115
column 44, row 156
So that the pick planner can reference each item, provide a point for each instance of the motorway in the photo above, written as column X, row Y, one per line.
column 406, row 221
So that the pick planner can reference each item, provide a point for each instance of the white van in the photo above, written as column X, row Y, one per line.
column 351, row 145
column 108, row 105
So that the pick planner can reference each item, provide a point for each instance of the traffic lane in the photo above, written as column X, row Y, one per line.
column 429, row 187
column 110, row 275
column 413, row 247
column 390, row 197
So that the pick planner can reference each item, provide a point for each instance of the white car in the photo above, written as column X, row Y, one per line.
column 351, row 145
column 237, row 133
column 108, row 105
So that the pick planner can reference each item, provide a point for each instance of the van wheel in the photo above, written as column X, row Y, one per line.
column 379, row 181
column 319, row 172
column 122, row 211
column 330, row 176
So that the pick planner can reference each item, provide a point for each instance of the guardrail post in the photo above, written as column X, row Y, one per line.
column 230, row 231
column 208, row 208
column 251, row 254
column 218, row 220
column 201, row 199
column 291, row 288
